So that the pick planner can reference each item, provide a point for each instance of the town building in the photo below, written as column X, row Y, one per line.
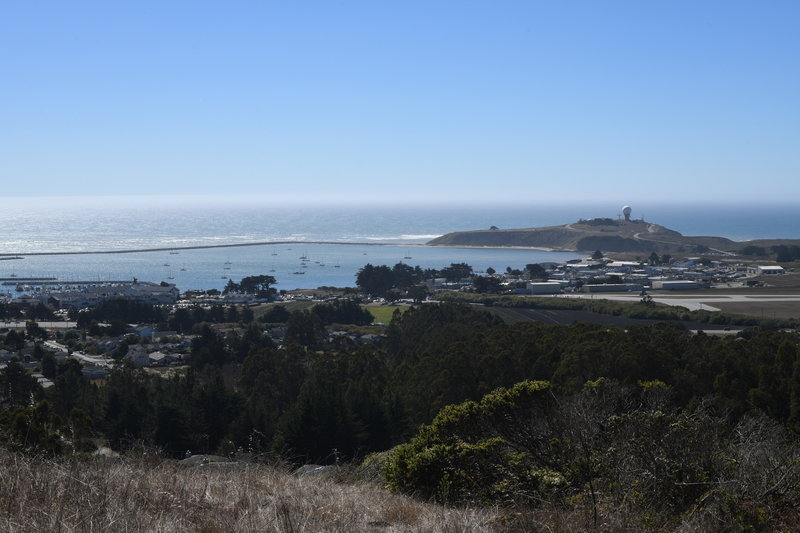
column 140, row 291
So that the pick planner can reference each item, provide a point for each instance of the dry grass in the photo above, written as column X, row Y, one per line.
column 150, row 495
column 139, row 495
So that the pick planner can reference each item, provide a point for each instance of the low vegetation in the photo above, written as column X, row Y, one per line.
column 148, row 494
column 610, row 453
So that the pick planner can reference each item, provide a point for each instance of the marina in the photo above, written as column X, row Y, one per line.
column 324, row 264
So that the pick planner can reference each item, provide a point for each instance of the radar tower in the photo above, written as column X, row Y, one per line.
column 626, row 212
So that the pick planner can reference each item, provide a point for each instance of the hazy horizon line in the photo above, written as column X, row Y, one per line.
column 116, row 200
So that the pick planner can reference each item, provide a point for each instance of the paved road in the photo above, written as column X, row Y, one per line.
column 693, row 303
column 42, row 324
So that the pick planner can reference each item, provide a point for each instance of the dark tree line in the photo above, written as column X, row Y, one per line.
column 118, row 314
column 33, row 312
column 383, row 281
column 786, row 254
column 402, row 279
column 783, row 253
column 261, row 286
column 342, row 312
column 121, row 311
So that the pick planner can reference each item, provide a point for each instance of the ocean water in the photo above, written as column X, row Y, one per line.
column 383, row 234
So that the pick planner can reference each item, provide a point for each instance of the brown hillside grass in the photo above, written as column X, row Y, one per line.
column 151, row 495
column 141, row 495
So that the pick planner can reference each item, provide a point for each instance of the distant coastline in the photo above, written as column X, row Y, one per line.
column 7, row 256
column 196, row 247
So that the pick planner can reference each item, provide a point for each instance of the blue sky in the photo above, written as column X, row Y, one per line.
column 402, row 101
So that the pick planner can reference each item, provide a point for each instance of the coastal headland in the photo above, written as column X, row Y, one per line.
column 609, row 235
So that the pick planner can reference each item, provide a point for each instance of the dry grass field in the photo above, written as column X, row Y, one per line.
column 149, row 495
column 143, row 495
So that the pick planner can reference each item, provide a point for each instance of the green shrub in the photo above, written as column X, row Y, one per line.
column 485, row 451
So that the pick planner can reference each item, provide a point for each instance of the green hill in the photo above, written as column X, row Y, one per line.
column 605, row 234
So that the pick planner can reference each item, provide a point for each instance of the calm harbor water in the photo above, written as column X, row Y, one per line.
column 327, row 264
column 43, row 226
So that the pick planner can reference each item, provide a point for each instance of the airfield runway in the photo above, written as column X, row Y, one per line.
column 696, row 302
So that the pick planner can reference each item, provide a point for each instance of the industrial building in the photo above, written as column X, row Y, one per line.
column 765, row 270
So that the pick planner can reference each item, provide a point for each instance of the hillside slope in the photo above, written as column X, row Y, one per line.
column 108, row 495
column 607, row 235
